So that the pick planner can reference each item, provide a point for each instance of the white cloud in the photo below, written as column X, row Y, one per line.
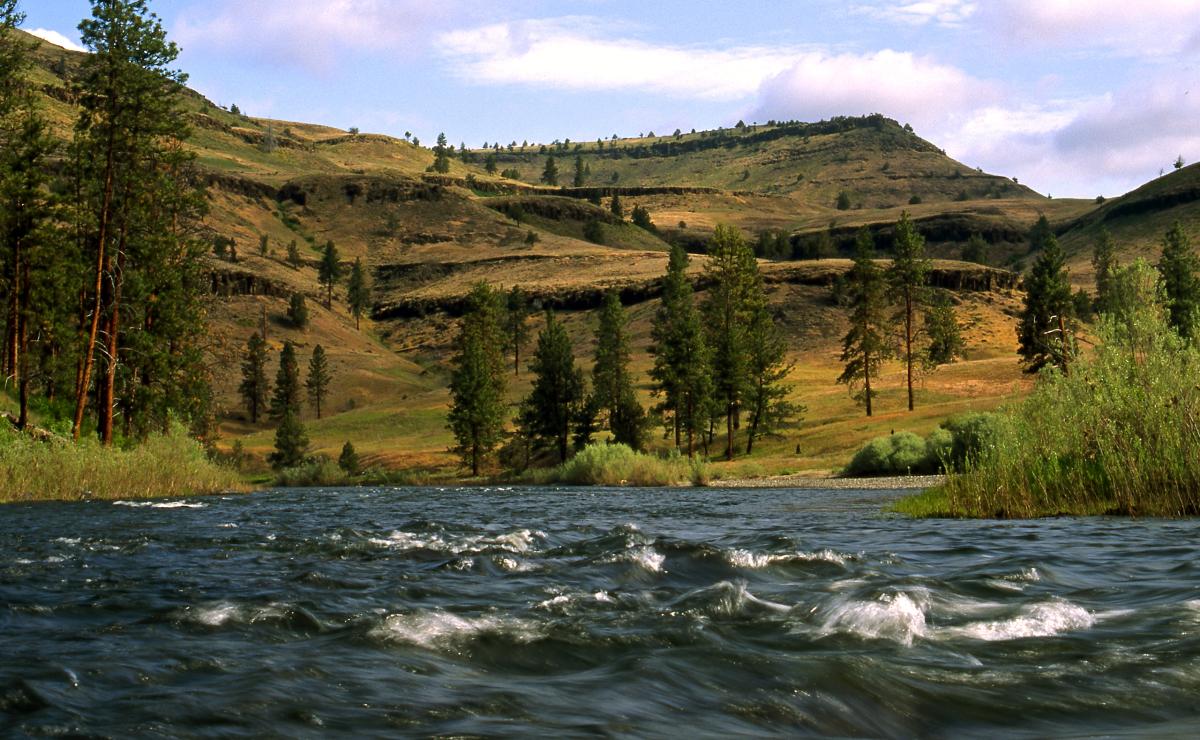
column 309, row 33
column 948, row 13
column 1124, row 27
column 566, row 53
column 56, row 38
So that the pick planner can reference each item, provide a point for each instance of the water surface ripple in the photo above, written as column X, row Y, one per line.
column 585, row 612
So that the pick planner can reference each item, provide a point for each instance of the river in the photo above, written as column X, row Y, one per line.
column 383, row 612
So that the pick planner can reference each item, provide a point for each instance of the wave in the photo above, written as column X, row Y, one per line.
column 521, row 541
column 161, row 504
column 751, row 560
column 440, row 629
column 1046, row 619
column 893, row 616
column 278, row 614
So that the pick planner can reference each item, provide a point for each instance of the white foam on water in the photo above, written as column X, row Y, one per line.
column 899, row 617
column 161, row 504
column 734, row 598
column 519, row 542
column 216, row 615
column 439, row 629
column 602, row 597
column 69, row 540
column 512, row 565
column 1046, row 619
column 749, row 559
column 646, row 558
column 227, row 525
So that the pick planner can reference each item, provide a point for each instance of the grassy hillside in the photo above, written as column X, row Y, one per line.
column 426, row 238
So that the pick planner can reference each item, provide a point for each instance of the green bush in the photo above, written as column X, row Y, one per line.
column 897, row 454
column 972, row 433
column 618, row 465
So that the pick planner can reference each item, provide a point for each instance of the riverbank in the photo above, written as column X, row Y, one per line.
column 885, row 483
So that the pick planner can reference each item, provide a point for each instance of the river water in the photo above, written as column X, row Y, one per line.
column 581, row 612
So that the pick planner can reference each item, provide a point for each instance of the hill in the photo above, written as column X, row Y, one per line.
column 426, row 237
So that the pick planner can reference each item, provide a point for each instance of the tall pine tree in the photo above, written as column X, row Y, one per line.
column 613, row 394
column 516, row 324
column 254, row 387
column 477, row 383
column 1104, row 261
column 319, row 378
column 766, row 370
column 906, row 279
column 864, row 349
column 553, row 404
column 329, row 272
column 1047, row 304
column 358, row 292
column 730, row 270
column 681, row 375
column 286, row 398
column 1180, row 270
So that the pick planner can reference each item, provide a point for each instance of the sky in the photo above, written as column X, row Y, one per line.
column 1075, row 98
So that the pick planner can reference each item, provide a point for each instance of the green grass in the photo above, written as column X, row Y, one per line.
column 58, row 470
column 618, row 465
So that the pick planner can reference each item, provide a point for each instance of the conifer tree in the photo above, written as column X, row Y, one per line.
column 613, row 394
column 1180, row 270
column 1047, row 304
column 264, row 245
column 477, row 384
column 329, row 272
column 516, row 325
column 580, row 174
column 293, row 254
column 297, row 311
column 291, row 443
column 489, row 163
column 550, row 173
column 975, row 250
column 863, row 348
column 617, row 209
column 319, row 378
column 731, row 269
column 1104, row 261
column 766, row 370
column 945, row 336
column 641, row 218
column 441, row 155
column 348, row 460
column 681, row 374
column 1040, row 234
column 358, row 292
column 136, row 200
column 286, row 397
column 906, row 279
column 553, row 404
column 254, row 377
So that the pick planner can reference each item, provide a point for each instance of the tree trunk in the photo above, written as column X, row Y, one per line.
column 22, row 368
column 908, row 354
column 691, row 427
column 729, row 432
column 108, row 396
column 867, row 379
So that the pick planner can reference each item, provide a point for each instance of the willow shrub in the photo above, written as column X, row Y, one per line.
column 56, row 469
column 618, row 465
column 1118, row 434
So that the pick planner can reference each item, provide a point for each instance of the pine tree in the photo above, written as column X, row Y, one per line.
column 358, row 292
column 441, row 155
column 264, row 245
column 348, row 461
column 329, row 272
column 730, row 270
column 254, row 386
column 552, row 407
column 641, row 218
column 766, row 370
column 1104, row 261
column 319, row 378
column 975, row 250
column 516, row 325
column 580, row 174
column 286, row 398
column 293, row 254
column 550, row 173
column 613, row 394
column 477, row 384
column 864, row 349
column 291, row 443
column 489, row 163
column 906, row 279
column 1180, row 270
column 137, row 200
column 1040, row 234
column 1047, row 303
column 945, row 336
column 297, row 311
column 681, row 374
column 617, row 209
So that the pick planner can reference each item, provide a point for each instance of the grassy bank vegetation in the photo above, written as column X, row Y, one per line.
column 619, row 465
column 1118, row 434
column 55, row 469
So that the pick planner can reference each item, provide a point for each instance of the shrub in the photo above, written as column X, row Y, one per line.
column 843, row 201
column 593, row 232
column 971, row 433
column 916, row 200
column 297, row 311
column 896, row 454
column 618, row 465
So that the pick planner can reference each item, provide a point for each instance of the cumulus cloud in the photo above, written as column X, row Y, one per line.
column 313, row 34
column 566, row 53
column 56, row 38
column 948, row 13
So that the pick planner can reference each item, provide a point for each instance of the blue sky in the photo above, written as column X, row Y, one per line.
column 1076, row 98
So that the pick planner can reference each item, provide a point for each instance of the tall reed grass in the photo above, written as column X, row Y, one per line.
column 1119, row 434
column 56, row 469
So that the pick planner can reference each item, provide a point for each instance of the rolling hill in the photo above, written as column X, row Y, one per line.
column 427, row 237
